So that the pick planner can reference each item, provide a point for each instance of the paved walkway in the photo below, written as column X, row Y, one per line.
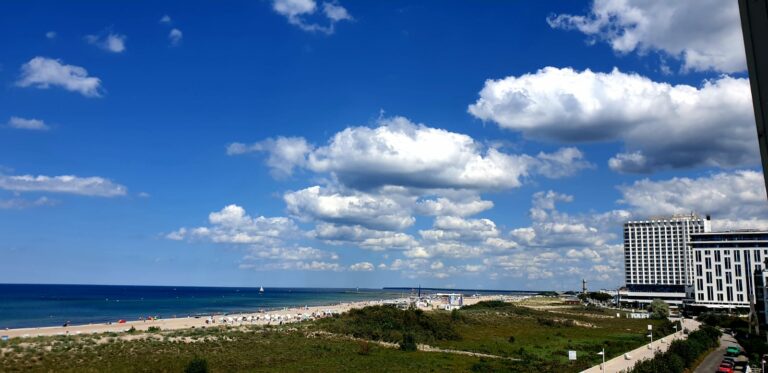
column 621, row 363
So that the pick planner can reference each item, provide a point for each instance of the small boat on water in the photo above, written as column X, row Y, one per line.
column 261, row 289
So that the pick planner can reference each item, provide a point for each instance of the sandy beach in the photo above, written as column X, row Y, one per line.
column 200, row 321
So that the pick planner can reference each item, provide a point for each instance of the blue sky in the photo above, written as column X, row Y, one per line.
column 304, row 143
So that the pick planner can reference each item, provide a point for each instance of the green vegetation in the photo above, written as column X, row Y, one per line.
column 598, row 296
column 754, row 345
column 542, row 338
column 408, row 343
column 373, row 339
column 224, row 350
column 389, row 324
column 197, row 365
column 486, row 304
column 659, row 309
column 682, row 354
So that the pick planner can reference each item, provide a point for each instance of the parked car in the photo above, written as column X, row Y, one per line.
column 733, row 351
column 725, row 369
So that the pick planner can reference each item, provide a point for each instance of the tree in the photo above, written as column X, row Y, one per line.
column 600, row 296
column 659, row 309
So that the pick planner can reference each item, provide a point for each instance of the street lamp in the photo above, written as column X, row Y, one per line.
column 602, row 367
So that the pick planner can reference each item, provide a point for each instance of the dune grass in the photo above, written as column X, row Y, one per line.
column 225, row 350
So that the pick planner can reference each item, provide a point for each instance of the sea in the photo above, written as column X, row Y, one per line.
column 26, row 305
column 37, row 305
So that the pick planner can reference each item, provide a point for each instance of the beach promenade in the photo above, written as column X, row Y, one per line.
column 287, row 315
column 629, row 359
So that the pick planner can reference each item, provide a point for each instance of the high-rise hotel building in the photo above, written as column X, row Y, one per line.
column 658, row 261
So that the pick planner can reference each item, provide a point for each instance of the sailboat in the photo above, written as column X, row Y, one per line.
column 261, row 289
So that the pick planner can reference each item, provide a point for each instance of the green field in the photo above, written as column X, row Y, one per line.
column 541, row 339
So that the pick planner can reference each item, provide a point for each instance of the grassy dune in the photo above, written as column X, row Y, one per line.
column 224, row 350
column 540, row 338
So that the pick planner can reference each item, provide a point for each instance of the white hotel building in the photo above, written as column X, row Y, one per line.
column 725, row 264
column 658, row 262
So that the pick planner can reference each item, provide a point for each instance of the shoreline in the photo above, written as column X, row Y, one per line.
column 274, row 317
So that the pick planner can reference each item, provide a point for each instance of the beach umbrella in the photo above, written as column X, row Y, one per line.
column 121, row 321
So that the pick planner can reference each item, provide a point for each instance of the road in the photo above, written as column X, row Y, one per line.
column 712, row 361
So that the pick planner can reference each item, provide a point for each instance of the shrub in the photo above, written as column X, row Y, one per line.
column 132, row 330
column 681, row 354
column 197, row 365
column 482, row 366
column 545, row 321
column 389, row 324
column 511, row 339
column 153, row 329
column 408, row 343
column 487, row 304
column 456, row 316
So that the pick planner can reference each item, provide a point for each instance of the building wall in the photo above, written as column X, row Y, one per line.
column 761, row 296
column 656, row 251
column 724, row 264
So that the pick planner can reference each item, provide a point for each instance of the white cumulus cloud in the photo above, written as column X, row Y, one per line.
column 42, row 72
column 175, row 36
column 355, row 208
column 399, row 152
column 233, row 225
column 111, row 42
column 364, row 238
column 446, row 206
column 734, row 199
column 362, row 266
column 662, row 126
column 28, row 124
column 295, row 253
column 703, row 34
column 20, row 203
column 303, row 14
column 87, row 186
column 285, row 153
